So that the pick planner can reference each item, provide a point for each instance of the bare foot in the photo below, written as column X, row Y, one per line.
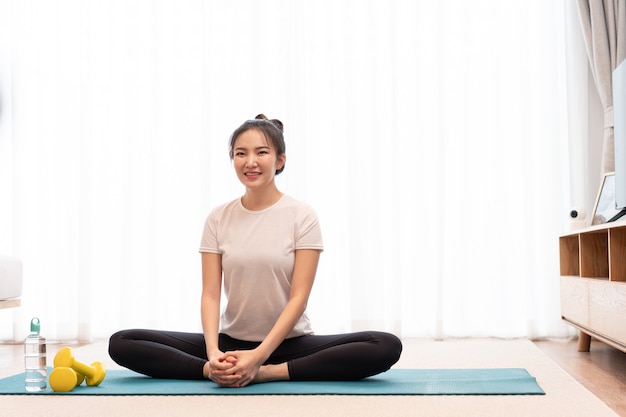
column 268, row 373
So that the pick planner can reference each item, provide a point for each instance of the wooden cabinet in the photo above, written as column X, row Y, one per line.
column 593, row 283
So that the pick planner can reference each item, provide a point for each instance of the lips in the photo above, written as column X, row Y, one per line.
column 252, row 174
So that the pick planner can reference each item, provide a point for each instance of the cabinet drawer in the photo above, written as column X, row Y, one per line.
column 575, row 299
column 607, row 309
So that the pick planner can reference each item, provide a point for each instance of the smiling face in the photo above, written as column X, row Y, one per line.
column 255, row 160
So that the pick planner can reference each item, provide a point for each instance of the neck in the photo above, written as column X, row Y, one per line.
column 255, row 201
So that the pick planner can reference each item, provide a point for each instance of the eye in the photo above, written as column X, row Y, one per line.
column 239, row 153
column 263, row 152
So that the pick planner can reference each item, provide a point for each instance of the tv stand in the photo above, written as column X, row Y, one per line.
column 593, row 283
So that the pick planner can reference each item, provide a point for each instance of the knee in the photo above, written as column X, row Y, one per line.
column 117, row 337
column 116, row 344
column 396, row 347
column 390, row 347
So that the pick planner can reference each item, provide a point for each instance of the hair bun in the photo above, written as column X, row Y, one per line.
column 275, row 122
column 278, row 124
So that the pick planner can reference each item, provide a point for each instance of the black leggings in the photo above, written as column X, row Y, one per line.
column 177, row 355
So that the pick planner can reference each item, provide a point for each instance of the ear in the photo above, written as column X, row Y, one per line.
column 280, row 162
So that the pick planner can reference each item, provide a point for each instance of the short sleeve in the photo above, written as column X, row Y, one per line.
column 209, row 242
column 309, row 231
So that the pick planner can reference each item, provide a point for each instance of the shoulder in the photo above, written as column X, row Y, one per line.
column 290, row 202
column 225, row 208
column 298, row 208
column 306, row 225
column 303, row 214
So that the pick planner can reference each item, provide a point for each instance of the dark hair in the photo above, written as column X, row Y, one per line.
column 271, row 129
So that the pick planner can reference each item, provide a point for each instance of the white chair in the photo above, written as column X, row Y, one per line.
column 10, row 281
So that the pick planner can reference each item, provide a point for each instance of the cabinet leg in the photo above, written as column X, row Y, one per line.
column 584, row 342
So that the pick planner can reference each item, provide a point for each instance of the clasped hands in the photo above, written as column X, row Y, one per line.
column 234, row 369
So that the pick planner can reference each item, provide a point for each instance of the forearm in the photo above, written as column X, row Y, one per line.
column 281, row 329
column 210, row 324
column 210, row 300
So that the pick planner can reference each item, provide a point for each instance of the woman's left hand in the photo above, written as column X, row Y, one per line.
column 246, row 366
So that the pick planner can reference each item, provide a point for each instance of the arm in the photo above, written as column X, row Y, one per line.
column 210, row 313
column 305, row 267
column 210, row 302
column 247, row 363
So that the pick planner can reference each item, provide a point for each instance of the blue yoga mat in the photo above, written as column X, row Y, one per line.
column 497, row 381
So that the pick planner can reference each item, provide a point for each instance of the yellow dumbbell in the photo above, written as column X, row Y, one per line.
column 64, row 379
column 94, row 373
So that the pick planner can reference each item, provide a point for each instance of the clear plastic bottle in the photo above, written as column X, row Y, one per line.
column 35, row 359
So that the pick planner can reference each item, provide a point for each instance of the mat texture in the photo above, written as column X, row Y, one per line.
column 497, row 381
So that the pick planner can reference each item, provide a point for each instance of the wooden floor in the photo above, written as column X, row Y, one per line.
column 602, row 370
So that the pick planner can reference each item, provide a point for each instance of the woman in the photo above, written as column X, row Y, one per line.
column 264, row 248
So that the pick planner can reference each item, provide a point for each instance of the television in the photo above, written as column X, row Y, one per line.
column 619, row 130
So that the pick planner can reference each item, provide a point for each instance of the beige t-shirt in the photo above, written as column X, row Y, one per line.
column 258, row 251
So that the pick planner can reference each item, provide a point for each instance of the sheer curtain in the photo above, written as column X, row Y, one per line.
column 431, row 137
column 604, row 24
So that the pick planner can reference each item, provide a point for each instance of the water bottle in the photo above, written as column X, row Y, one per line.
column 35, row 359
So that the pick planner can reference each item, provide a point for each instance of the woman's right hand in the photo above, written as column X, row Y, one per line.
column 220, row 370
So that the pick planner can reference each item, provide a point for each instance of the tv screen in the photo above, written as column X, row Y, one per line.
column 619, row 129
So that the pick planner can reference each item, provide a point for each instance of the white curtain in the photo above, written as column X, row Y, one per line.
column 604, row 29
column 431, row 137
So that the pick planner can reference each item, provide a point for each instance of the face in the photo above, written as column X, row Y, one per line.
column 255, row 159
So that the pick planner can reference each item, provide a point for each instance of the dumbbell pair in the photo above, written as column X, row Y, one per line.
column 68, row 373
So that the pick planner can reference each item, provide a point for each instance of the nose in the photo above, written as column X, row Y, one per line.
column 251, row 160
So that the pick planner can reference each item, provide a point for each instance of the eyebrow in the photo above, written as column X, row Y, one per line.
column 241, row 148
